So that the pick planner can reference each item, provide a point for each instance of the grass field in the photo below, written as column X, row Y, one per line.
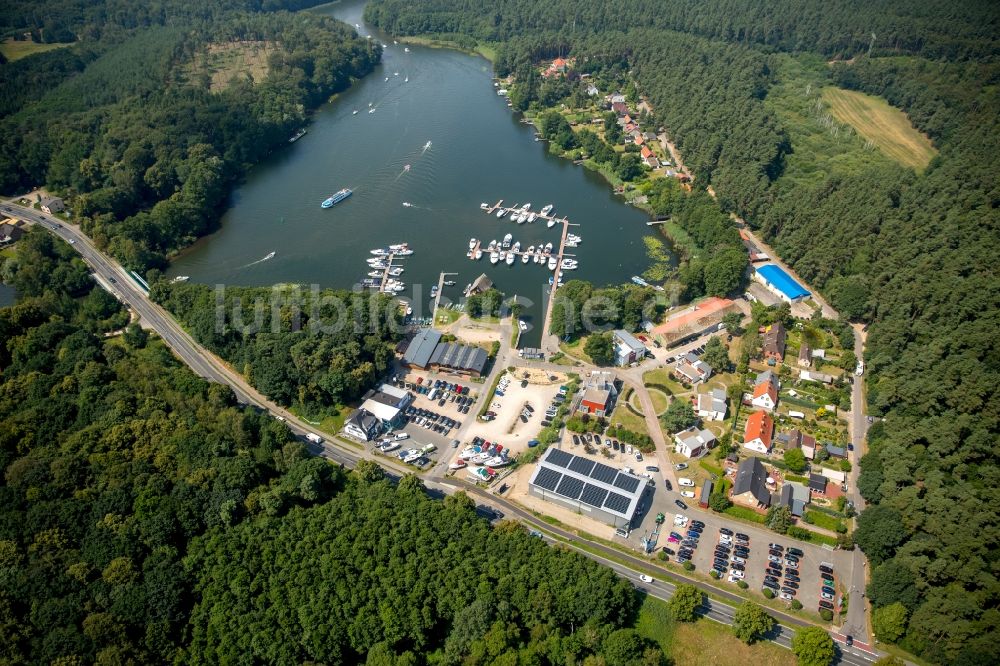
column 887, row 127
column 703, row 642
column 15, row 50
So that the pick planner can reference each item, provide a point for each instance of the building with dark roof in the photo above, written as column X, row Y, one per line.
column 10, row 233
column 750, row 486
column 589, row 487
column 706, row 494
column 418, row 352
column 52, row 205
column 793, row 496
column 458, row 358
column 817, row 483
column 774, row 343
column 363, row 425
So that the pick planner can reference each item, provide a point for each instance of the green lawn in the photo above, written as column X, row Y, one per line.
column 624, row 417
column 661, row 377
column 703, row 642
column 15, row 50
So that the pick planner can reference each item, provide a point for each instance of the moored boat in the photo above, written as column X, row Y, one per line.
column 472, row 243
column 553, row 262
column 506, row 241
column 526, row 257
column 494, row 257
column 546, row 209
column 532, row 217
column 479, row 255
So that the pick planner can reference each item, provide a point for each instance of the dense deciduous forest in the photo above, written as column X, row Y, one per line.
column 135, row 494
column 314, row 350
column 143, row 141
column 912, row 254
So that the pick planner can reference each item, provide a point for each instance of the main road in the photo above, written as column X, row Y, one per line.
column 119, row 283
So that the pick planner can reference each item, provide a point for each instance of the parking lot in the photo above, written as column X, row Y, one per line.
column 519, row 409
column 756, row 557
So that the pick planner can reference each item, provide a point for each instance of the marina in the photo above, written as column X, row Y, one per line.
column 277, row 206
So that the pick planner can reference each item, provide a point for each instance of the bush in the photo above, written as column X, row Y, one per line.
column 688, row 566
column 768, row 593
column 742, row 584
column 826, row 614
column 796, row 604
column 714, row 574
column 663, row 557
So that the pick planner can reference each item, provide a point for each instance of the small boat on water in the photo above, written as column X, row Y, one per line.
column 381, row 252
column 387, row 79
column 375, row 274
column 526, row 206
column 516, row 247
column 395, row 73
column 569, row 265
column 539, row 254
column 396, row 271
column 434, row 291
column 548, row 249
column 523, row 325
column 528, row 254
column 472, row 243
column 406, row 167
column 337, row 197
column 546, row 209
column 371, row 110
column 181, row 278
column 449, row 283
column 478, row 255
column 298, row 135
column 354, row 113
column 532, row 217
column 494, row 257
column 501, row 213
column 493, row 245
column 427, row 146
column 399, row 247
column 406, row 80
column 484, row 206
column 551, row 222
column 522, row 217
column 506, row 241
column 503, row 256
column 407, row 204
column 406, row 49
column 553, row 262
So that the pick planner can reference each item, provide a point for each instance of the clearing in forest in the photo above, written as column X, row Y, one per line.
column 221, row 63
column 16, row 49
column 885, row 126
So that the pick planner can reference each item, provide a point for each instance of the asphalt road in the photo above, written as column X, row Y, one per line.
column 210, row 367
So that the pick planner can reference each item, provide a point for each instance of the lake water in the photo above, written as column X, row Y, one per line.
column 479, row 152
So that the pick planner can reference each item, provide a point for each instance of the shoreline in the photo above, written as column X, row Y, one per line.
column 488, row 53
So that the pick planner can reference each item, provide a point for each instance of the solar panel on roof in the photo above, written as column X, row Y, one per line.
column 617, row 503
column 560, row 458
column 626, row 483
column 547, row 478
column 581, row 465
column 570, row 487
column 603, row 473
column 593, row 495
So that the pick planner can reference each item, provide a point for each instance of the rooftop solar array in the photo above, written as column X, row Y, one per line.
column 587, row 481
column 582, row 465
column 570, row 487
column 560, row 458
column 626, row 482
column 547, row 478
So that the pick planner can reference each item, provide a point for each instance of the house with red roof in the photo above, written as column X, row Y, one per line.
column 646, row 152
column 765, row 391
column 758, row 432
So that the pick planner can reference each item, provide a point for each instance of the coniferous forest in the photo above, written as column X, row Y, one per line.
column 912, row 255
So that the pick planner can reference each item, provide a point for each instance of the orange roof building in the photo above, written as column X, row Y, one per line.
column 694, row 321
column 758, row 432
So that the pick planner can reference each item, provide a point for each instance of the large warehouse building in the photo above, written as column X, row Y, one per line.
column 780, row 283
column 587, row 486
column 426, row 351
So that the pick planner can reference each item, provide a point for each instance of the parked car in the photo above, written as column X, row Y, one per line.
column 726, row 531
column 681, row 504
column 826, row 595
column 796, row 552
column 687, row 493
column 680, row 466
column 652, row 468
column 826, row 569
column 669, row 485
column 826, row 604
column 686, row 482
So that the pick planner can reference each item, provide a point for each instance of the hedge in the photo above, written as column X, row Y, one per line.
column 823, row 520
column 798, row 479
column 709, row 467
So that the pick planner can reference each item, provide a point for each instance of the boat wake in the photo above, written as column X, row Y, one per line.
column 427, row 146
column 405, row 170
column 270, row 255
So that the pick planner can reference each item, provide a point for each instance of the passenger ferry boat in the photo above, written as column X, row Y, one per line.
column 339, row 196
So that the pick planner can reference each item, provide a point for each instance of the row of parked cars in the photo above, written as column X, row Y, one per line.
column 597, row 440
column 731, row 554
column 429, row 420
column 688, row 542
column 782, row 581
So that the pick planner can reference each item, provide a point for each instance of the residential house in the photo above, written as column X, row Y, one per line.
column 617, row 98
column 598, row 394
column 10, row 232
column 52, row 205
column 651, row 162
column 796, row 439
column 712, row 405
column 619, row 108
column 646, row 152
column 362, row 425
column 758, row 432
column 774, row 342
column 813, row 376
column 765, row 391
column 387, row 403
column 557, row 67
column 637, row 138
column 805, row 356
column 836, row 451
column 649, row 136
column 750, row 485
column 693, row 369
column 480, row 285
column 793, row 496
column 817, row 484
column 693, row 443
column 627, row 348
column 592, row 91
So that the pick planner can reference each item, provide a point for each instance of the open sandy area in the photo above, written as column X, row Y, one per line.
column 507, row 428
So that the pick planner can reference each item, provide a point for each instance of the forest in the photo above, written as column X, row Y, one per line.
column 315, row 350
column 145, row 149
column 135, row 494
column 912, row 255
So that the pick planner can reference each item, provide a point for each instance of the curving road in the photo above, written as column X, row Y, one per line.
column 113, row 277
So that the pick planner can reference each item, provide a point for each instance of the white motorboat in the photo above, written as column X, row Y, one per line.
column 526, row 257
column 181, row 278
column 511, row 258
column 406, row 80
column 380, row 252
column 503, row 256
column 552, row 263
column 517, row 247
column 354, row 113
column 551, row 223
column 397, row 247
column 494, row 257
column 403, row 253
column 539, row 257
column 371, row 110
column 522, row 217
column 501, row 213
column 387, row 79
column 506, row 241
column 484, row 206
column 493, row 245
column 548, row 249
column 396, row 271
column 395, row 73
column 496, row 461
column 479, row 458
column 479, row 255
column 449, row 283
column 406, row 49
column 458, row 464
column 472, row 243
column 569, row 265
column 523, row 325
column 546, row 209
column 532, row 217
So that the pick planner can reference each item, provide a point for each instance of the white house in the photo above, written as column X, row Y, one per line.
column 693, row 368
column 758, row 433
column 628, row 349
column 712, row 405
column 692, row 442
column 765, row 392
column 362, row 425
